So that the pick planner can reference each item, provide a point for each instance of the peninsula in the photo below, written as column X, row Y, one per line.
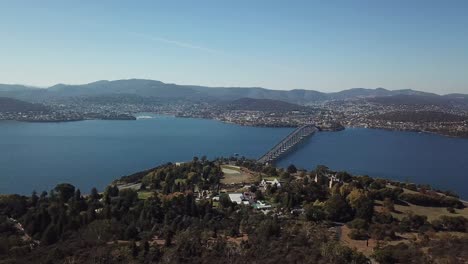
column 236, row 210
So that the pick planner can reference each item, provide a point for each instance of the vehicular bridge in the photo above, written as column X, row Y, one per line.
column 287, row 143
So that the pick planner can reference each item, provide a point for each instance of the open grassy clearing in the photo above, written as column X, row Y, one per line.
column 359, row 245
column 367, row 249
column 235, row 175
column 432, row 213
column 143, row 195
column 231, row 167
column 229, row 171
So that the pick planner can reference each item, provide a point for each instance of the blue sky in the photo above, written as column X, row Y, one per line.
column 275, row 44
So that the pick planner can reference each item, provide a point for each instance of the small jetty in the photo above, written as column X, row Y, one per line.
column 287, row 143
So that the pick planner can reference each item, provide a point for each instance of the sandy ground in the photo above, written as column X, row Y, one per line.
column 235, row 175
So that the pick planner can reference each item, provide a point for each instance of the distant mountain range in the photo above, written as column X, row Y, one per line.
column 152, row 88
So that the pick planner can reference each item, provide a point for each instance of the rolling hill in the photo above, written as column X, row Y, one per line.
column 422, row 100
column 14, row 105
column 250, row 104
column 152, row 88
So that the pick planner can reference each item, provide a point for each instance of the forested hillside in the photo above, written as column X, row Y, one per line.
column 13, row 105
column 188, row 213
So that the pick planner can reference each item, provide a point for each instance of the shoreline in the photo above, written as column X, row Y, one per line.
column 68, row 120
column 262, row 125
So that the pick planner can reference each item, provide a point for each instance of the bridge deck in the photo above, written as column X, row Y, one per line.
column 287, row 143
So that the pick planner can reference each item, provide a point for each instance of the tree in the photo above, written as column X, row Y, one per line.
column 334, row 252
column 355, row 197
column 321, row 169
column 389, row 205
column 337, row 209
column 314, row 213
column 43, row 196
column 112, row 191
column 65, row 191
column 50, row 235
column 134, row 249
column 34, row 198
column 413, row 222
column 269, row 228
column 292, row 169
column 344, row 176
column 128, row 196
column 362, row 204
column 94, row 196
column 169, row 236
column 146, row 247
column 306, row 180
column 224, row 200
column 131, row 232
column 77, row 196
column 286, row 176
column 451, row 223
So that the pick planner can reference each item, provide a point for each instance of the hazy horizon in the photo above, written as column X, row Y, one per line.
column 329, row 47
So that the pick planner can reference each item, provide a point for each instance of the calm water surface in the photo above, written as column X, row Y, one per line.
column 37, row 156
column 406, row 156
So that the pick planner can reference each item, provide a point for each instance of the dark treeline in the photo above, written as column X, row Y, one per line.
column 169, row 227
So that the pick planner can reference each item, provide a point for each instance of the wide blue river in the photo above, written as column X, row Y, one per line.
column 37, row 156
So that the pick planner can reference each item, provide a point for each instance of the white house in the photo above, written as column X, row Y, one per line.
column 236, row 197
column 265, row 183
column 260, row 205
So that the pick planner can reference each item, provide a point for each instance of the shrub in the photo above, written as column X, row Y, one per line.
column 451, row 223
column 358, row 234
column 430, row 200
column 450, row 210
column 358, row 223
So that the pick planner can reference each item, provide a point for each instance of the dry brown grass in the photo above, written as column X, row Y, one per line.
column 236, row 175
column 359, row 245
column 432, row 213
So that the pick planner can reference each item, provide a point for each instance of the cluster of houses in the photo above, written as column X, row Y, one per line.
column 248, row 198
column 264, row 184
column 332, row 179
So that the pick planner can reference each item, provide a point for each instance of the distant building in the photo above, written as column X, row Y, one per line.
column 332, row 179
column 260, row 205
column 264, row 184
column 236, row 197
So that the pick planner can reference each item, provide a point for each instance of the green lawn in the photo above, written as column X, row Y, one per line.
column 143, row 195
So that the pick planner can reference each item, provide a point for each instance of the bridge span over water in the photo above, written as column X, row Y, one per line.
column 287, row 143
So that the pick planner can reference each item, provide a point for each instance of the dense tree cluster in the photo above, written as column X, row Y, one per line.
column 169, row 226
column 449, row 249
column 432, row 200
column 156, row 216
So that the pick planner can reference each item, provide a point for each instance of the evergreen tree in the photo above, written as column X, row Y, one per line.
column 50, row 235
column 94, row 196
